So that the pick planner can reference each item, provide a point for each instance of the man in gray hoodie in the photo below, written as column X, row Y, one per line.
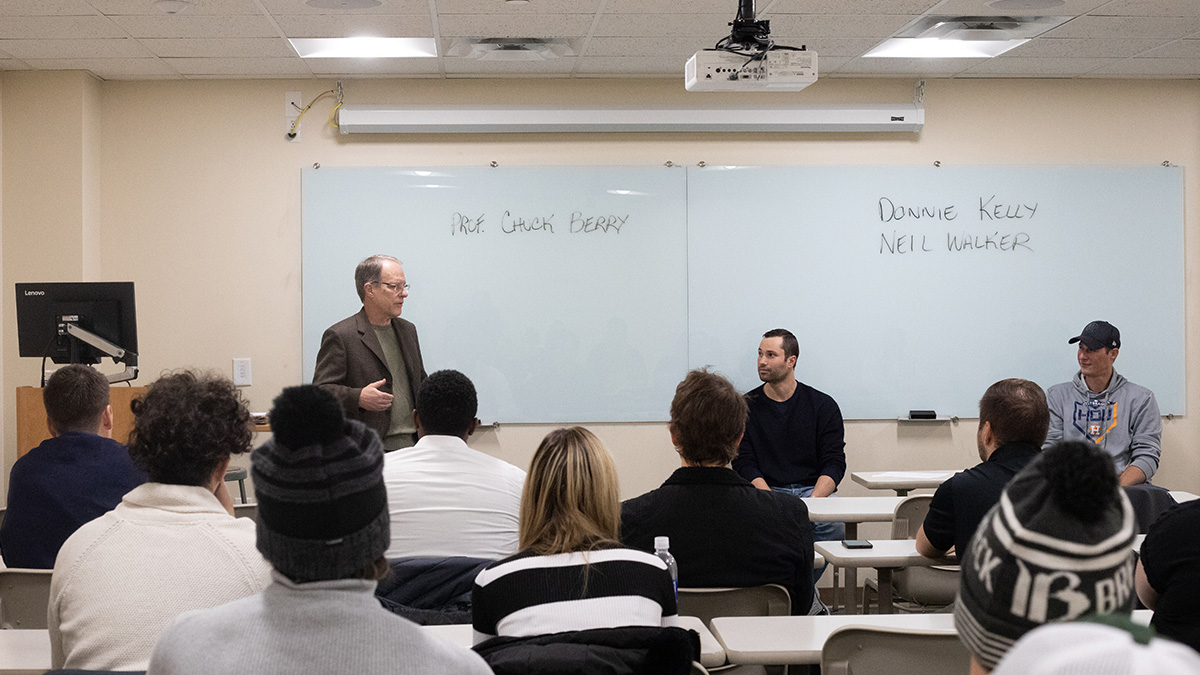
column 1101, row 407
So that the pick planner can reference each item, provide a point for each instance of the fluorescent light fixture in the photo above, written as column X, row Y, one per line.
column 940, row 48
column 364, row 48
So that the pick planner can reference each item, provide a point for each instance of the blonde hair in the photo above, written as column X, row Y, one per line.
column 570, row 501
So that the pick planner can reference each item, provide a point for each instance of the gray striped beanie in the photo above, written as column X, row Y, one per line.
column 1058, row 545
column 322, row 504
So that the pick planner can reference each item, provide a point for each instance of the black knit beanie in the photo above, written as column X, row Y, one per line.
column 322, row 504
column 1058, row 545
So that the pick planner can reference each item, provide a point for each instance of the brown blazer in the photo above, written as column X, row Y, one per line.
column 351, row 358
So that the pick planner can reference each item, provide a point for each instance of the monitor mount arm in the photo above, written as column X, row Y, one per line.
column 118, row 354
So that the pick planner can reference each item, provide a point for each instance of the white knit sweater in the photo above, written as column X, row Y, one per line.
column 319, row 627
column 121, row 579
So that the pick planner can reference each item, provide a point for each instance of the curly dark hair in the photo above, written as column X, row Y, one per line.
column 186, row 425
column 1084, row 480
column 446, row 403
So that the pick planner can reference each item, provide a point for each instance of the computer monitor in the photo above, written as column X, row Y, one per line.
column 49, row 316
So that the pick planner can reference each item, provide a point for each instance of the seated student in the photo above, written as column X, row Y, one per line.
column 723, row 530
column 571, row 573
column 171, row 544
column 77, row 475
column 323, row 525
column 444, row 498
column 1057, row 546
column 1168, row 574
column 1013, row 419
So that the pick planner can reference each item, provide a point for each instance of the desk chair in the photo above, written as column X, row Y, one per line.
column 24, row 597
column 239, row 474
column 708, row 603
column 860, row 650
column 246, row 511
column 919, row 589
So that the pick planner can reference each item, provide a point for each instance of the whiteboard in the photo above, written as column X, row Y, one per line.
column 918, row 287
column 561, row 292
column 599, row 320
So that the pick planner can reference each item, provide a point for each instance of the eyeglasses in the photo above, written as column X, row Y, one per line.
column 395, row 288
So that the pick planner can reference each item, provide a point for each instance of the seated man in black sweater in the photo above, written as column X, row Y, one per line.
column 724, row 531
column 1013, row 419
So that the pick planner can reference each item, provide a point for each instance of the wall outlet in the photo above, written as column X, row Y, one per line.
column 241, row 373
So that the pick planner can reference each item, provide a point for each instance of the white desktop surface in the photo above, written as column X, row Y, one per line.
column 24, row 651
column 900, row 480
column 883, row 553
column 851, row 509
column 711, row 652
column 771, row 640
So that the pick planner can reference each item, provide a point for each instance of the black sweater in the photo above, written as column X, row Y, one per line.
column 795, row 442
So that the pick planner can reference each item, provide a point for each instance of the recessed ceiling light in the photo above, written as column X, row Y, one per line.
column 172, row 6
column 344, row 4
column 364, row 48
column 516, row 2
column 936, row 48
column 1008, row 5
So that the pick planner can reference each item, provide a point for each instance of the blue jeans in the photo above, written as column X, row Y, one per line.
column 823, row 531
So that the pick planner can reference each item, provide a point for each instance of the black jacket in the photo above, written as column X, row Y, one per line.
column 633, row 650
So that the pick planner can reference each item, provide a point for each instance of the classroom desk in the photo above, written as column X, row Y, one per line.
column 783, row 640
column 24, row 652
column 711, row 652
column 852, row 511
column 900, row 481
column 1180, row 496
column 885, row 555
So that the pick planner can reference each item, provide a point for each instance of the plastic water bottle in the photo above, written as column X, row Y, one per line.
column 662, row 547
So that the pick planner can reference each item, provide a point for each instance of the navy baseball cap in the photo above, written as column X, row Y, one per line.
column 1097, row 335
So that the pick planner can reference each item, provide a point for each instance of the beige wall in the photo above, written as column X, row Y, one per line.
column 190, row 190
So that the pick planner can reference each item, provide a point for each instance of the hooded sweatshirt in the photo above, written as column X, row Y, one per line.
column 1123, row 420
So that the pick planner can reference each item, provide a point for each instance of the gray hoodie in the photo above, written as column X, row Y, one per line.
column 1123, row 420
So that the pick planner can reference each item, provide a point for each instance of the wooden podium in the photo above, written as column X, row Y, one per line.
column 31, row 415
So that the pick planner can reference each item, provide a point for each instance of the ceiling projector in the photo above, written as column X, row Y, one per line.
column 749, row 60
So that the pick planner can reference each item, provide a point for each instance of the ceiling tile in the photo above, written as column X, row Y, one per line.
column 328, row 26
column 830, row 64
column 220, row 47
column 840, row 25
column 284, row 7
column 109, row 69
column 1126, row 27
column 1180, row 49
column 293, row 67
column 927, row 67
column 75, row 49
column 641, row 46
column 46, row 8
column 726, row 8
column 830, row 46
column 1039, row 67
column 661, row 65
column 180, row 26
column 59, row 27
column 1072, row 48
column 531, row 10
column 372, row 66
column 198, row 7
column 710, row 27
column 846, row 7
column 981, row 8
column 484, row 25
column 473, row 66
column 1149, row 8
column 1189, row 68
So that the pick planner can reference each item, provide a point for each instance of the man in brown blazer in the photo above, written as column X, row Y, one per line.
column 371, row 361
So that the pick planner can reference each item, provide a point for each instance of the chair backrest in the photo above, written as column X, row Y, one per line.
column 24, row 597
column 708, row 603
column 246, row 511
column 860, row 650
column 909, row 515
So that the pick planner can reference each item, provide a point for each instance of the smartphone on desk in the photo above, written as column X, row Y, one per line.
column 856, row 543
